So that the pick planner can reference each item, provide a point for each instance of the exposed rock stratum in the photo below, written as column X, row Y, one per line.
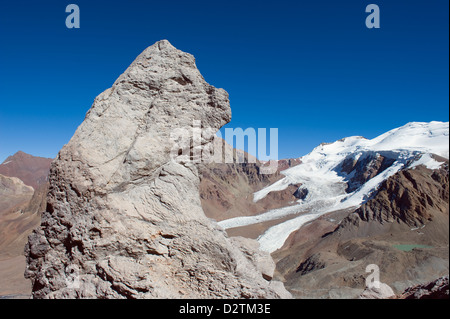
column 123, row 219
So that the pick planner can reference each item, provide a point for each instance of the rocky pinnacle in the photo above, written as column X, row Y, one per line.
column 124, row 220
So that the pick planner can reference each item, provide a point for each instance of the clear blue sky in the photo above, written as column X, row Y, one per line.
column 309, row 68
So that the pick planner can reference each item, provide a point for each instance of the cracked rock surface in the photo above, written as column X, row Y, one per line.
column 124, row 220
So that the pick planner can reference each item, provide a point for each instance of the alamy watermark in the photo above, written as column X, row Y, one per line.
column 73, row 19
column 72, row 277
column 373, row 280
column 373, row 19
column 198, row 144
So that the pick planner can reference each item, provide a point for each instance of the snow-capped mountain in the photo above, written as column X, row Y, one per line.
column 345, row 174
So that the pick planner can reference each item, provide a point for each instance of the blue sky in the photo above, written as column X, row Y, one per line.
column 309, row 68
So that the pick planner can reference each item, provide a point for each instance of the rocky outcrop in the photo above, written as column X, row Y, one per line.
column 312, row 263
column 124, row 218
column 12, row 186
column 287, row 163
column 436, row 289
column 361, row 167
column 14, row 195
column 411, row 196
column 382, row 291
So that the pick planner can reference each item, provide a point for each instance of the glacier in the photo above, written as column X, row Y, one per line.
column 321, row 173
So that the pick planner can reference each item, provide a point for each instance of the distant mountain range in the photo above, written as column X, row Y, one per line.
column 32, row 170
column 345, row 174
column 324, row 216
column 23, row 191
column 349, row 204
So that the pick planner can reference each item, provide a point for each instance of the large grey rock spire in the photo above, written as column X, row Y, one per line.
column 123, row 220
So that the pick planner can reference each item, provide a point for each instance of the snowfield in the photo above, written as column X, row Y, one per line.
column 322, row 175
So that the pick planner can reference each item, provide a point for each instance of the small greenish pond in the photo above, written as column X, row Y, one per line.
column 405, row 247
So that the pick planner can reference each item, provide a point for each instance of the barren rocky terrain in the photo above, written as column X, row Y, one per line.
column 327, row 258
column 20, row 208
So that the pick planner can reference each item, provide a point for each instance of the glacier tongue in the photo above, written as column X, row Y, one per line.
column 321, row 173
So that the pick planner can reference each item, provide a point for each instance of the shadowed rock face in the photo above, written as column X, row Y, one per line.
column 124, row 220
column 436, row 289
column 363, row 168
column 411, row 196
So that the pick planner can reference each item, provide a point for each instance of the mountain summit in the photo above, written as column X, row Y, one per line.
column 32, row 170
